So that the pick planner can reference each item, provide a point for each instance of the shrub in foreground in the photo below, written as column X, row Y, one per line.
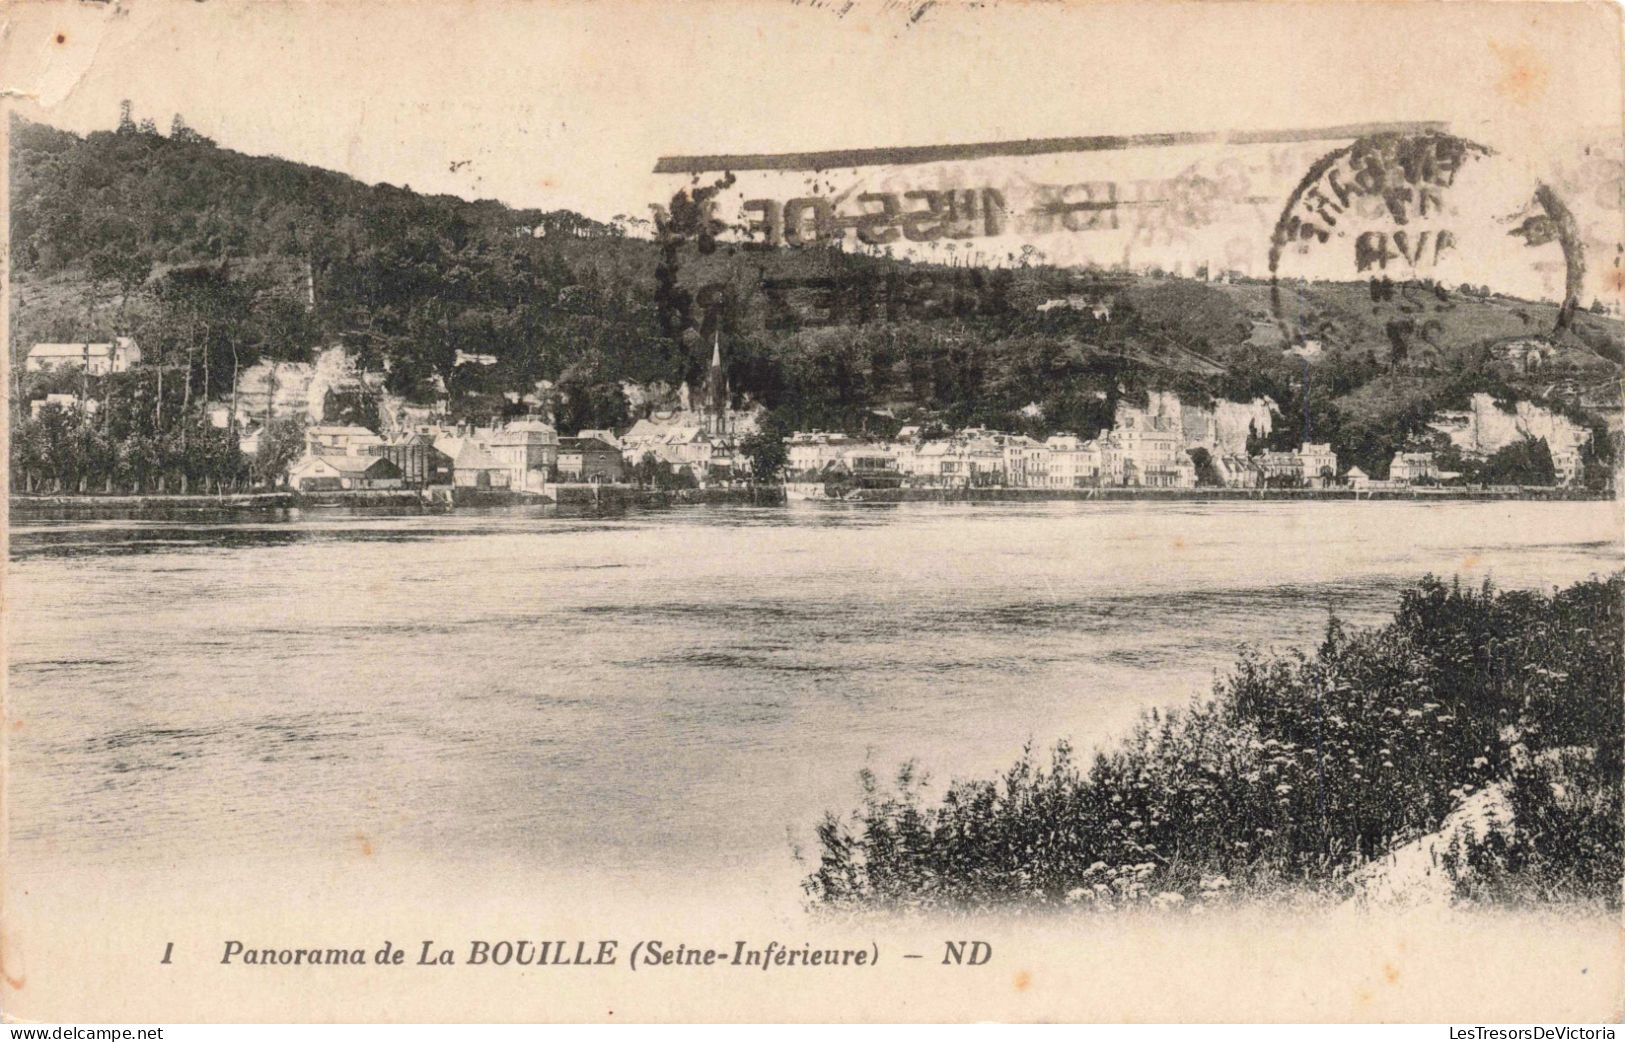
column 1295, row 772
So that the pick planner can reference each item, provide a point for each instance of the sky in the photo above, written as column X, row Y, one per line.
column 569, row 105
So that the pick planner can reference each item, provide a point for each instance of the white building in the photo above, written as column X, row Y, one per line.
column 1073, row 462
column 870, row 458
column 1319, row 461
column 528, row 449
column 811, row 450
column 1312, row 464
column 1410, row 467
column 968, row 459
column 1147, row 452
column 316, row 473
column 706, row 455
column 1026, row 462
column 95, row 359
column 335, row 439
column 471, row 466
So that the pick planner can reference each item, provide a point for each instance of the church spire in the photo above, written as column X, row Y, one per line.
column 716, row 391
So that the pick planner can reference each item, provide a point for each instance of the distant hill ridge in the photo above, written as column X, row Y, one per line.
column 110, row 229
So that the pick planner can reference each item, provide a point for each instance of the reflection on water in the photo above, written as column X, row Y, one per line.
column 669, row 691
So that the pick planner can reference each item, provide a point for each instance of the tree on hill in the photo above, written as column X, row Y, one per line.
column 1526, row 462
column 766, row 450
column 280, row 443
column 1207, row 474
column 587, row 401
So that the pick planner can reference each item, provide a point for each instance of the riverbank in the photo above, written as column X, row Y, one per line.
column 26, row 504
column 614, row 497
column 624, row 497
column 597, row 497
column 1202, row 495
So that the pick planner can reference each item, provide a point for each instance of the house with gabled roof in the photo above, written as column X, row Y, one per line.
column 315, row 473
column 472, row 466
column 96, row 359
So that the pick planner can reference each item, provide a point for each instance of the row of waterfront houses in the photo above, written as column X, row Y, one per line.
column 1123, row 458
column 524, row 455
column 1149, row 446
column 699, row 436
column 1138, row 453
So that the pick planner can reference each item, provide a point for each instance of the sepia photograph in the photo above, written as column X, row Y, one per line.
column 813, row 511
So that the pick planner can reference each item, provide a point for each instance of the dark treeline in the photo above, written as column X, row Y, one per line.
column 141, row 437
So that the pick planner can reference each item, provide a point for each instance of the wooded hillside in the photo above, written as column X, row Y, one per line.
column 215, row 259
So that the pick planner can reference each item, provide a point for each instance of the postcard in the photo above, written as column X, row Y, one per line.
column 813, row 511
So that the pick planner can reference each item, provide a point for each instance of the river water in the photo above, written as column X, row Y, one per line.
column 678, row 693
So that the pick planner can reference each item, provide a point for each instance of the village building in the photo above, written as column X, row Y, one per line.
column 678, row 448
column 1113, row 461
column 471, row 466
column 870, row 460
column 1281, row 467
column 317, row 473
column 1567, row 467
column 937, row 462
column 95, row 359
column 1073, row 462
column 248, row 439
column 1311, row 465
column 1239, row 470
column 529, row 448
column 342, row 440
column 1099, row 310
column 1319, row 463
column 421, row 464
column 867, row 466
column 810, row 450
column 589, row 459
column 1026, row 462
column 1408, row 468
column 982, row 451
column 970, row 459
column 1150, row 451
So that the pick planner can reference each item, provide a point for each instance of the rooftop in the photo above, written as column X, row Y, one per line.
column 79, row 350
column 350, row 464
column 577, row 444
